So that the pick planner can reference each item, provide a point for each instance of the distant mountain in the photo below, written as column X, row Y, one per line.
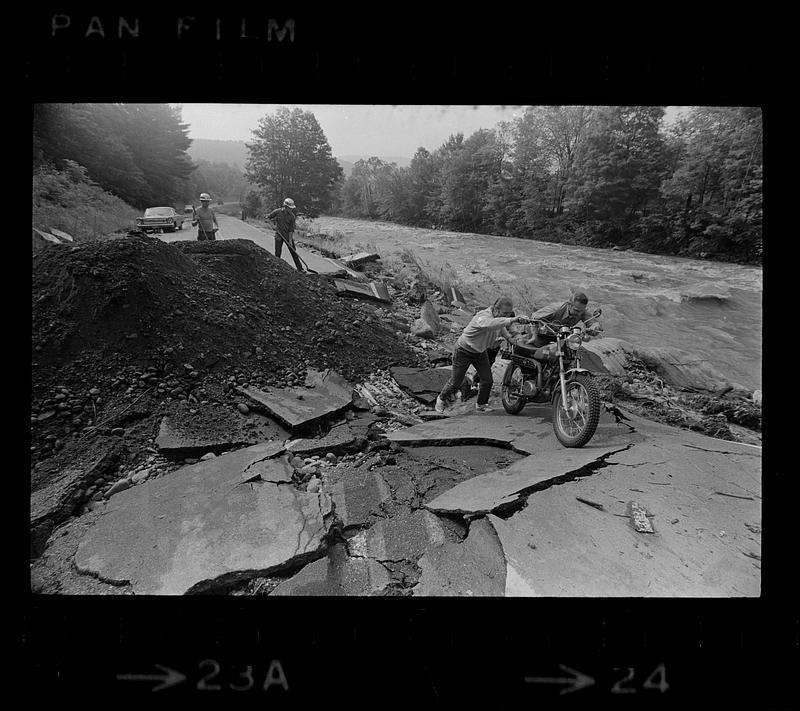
column 235, row 153
column 230, row 152
column 347, row 166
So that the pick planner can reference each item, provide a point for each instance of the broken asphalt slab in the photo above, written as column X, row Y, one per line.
column 475, row 567
column 423, row 384
column 355, row 260
column 55, row 497
column 340, row 439
column 328, row 393
column 358, row 497
column 406, row 536
column 201, row 527
column 702, row 544
column 374, row 290
column 181, row 436
column 515, row 432
column 335, row 575
column 492, row 490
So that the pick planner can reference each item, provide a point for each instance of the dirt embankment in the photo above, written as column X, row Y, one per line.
column 128, row 330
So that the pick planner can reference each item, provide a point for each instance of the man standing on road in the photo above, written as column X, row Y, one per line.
column 481, row 333
column 284, row 230
column 205, row 219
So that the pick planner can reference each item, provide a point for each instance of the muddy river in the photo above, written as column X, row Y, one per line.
column 709, row 309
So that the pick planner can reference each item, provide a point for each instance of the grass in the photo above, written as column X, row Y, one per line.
column 71, row 203
column 407, row 266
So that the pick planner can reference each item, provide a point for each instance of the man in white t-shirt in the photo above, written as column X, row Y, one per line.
column 480, row 334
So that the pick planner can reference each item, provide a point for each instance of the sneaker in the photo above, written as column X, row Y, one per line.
column 483, row 408
column 440, row 405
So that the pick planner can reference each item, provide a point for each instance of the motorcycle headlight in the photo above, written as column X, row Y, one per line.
column 574, row 341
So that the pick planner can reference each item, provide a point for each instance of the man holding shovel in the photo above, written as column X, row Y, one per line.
column 284, row 230
column 205, row 219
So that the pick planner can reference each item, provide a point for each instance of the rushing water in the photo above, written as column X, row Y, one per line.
column 709, row 309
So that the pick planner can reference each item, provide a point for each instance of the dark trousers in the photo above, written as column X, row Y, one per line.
column 492, row 354
column 203, row 235
column 279, row 240
column 462, row 360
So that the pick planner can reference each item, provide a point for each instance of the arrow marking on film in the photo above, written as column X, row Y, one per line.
column 169, row 678
column 575, row 682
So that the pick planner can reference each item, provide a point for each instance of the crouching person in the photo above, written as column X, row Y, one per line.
column 471, row 349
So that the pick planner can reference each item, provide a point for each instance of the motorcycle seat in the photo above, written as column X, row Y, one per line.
column 525, row 351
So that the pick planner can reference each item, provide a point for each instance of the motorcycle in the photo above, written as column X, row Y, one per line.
column 553, row 373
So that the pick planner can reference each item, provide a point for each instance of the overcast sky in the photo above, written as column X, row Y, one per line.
column 358, row 129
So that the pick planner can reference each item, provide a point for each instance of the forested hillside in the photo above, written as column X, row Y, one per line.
column 599, row 176
column 136, row 152
column 234, row 153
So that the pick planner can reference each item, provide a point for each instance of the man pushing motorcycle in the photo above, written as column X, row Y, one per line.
column 545, row 368
column 470, row 349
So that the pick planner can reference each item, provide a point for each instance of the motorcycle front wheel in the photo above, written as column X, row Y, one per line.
column 511, row 390
column 576, row 425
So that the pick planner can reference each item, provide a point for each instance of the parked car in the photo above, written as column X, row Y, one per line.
column 188, row 211
column 160, row 218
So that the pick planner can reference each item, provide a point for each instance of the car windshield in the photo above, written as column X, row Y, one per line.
column 157, row 211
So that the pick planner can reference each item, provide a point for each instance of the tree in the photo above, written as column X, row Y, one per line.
column 714, row 193
column 135, row 151
column 466, row 179
column 367, row 192
column 220, row 180
column 618, row 168
column 158, row 142
column 421, row 186
column 290, row 157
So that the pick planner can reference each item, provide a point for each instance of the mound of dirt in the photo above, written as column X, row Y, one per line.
column 140, row 323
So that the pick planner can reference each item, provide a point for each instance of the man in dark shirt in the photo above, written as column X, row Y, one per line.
column 284, row 230
column 569, row 313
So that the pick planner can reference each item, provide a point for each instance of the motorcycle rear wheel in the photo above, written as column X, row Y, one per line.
column 578, row 427
column 512, row 383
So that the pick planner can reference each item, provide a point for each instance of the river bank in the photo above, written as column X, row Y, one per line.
column 712, row 310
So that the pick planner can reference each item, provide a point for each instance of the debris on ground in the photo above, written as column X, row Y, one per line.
column 360, row 258
column 638, row 514
column 322, row 395
column 371, row 290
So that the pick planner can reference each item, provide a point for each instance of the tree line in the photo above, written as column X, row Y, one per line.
column 599, row 176
column 136, row 152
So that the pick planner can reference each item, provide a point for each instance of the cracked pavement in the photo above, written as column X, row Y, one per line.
column 455, row 507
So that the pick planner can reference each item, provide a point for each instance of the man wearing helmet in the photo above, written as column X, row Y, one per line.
column 284, row 230
column 205, row 219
